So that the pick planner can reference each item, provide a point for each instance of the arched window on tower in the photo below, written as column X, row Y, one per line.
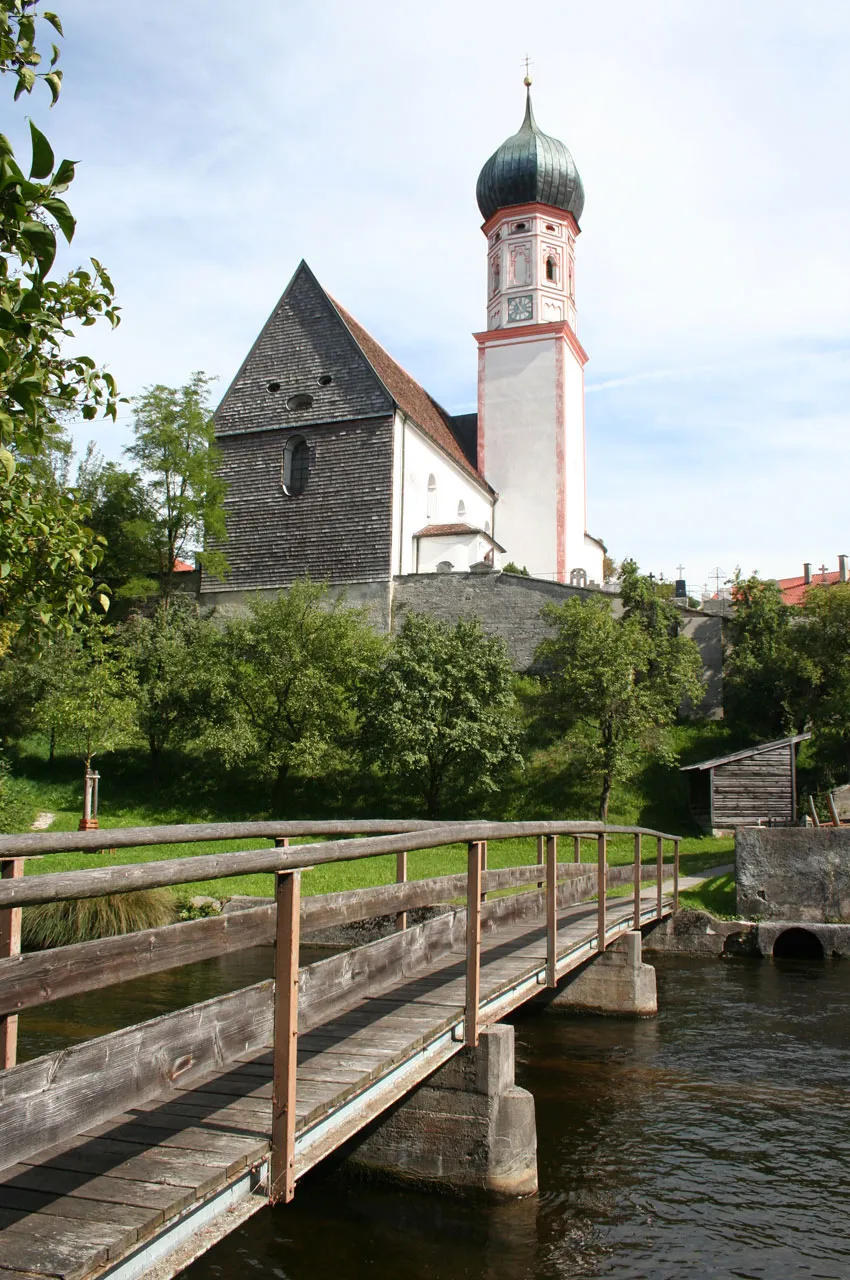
column 551, row 268
column 432, row 490
column 296, row 466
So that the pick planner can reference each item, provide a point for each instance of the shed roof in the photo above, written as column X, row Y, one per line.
column 749, row 751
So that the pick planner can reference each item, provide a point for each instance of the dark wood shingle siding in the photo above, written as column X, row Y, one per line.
column 758, row 786
column 303, row 340
column 338, row 530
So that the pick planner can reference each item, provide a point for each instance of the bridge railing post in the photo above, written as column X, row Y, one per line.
column 10, row 945
column 483, row 844
column 659, row 872
column 287, row 934
column 541, row 856
column 475, row 855
column 675, row 875
column 577, row 849
column 637, row 882
column 401, row 878
column 601, row 889
column 551, row 911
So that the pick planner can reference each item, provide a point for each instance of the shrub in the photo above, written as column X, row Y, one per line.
column 58, row 924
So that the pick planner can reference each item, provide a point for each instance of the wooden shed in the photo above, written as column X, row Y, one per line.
column 758, row 785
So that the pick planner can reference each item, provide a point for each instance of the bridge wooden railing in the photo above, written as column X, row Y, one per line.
column 44, row 1100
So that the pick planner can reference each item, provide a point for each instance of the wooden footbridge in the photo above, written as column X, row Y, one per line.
column 130, row 1154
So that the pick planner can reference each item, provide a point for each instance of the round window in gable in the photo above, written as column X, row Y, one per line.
column 296, row 466
column 274, row 387
column 325, row 379
column 301, row 400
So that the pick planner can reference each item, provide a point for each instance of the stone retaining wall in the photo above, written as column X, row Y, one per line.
column 793, row 873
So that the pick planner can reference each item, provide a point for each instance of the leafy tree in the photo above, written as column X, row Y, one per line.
column 616, row 684
column 822, row 639
column 122, row 514
column 48, row 558
column 86, row 704
column 175, row 448
column 40, row 382
column 512, row 567
column 439, row 712
column 164, row 653
column 767, row 674
column 283, row 679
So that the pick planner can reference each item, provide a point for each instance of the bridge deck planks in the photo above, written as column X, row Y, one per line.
column 79, row 1208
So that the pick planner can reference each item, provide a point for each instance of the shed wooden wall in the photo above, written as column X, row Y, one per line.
column 757, row 787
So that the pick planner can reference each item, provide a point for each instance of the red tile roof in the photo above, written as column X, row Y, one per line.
column 449, row 530
column 410, row 397
column 443, row 530
column 182, row 566
column 794, row 589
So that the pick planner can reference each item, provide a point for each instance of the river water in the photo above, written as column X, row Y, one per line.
column 712, row 1141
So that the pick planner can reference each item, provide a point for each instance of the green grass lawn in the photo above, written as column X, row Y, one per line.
column 187, row 790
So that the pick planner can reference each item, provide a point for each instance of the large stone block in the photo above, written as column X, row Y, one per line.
column 793, row 873
column 468, row 1127
column 616, row 982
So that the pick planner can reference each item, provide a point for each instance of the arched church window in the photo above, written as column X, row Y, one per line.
column 432, row 489
column 551, row 268
column 496, row 275
column 296, row 466
column 461, row 510
column 486, row 526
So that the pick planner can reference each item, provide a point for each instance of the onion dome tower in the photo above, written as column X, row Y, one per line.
column 531, row 363
column 530, row 168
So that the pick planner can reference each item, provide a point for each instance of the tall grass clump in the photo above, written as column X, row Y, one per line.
column 58, row 924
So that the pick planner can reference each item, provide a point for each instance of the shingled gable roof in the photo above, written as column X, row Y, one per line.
column 412, row 399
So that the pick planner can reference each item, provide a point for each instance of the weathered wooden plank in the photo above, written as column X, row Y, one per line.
column 40, row 977
column 39, row 844
column 118, row 1190
column 27, row 981
column 94, row 883
column 31, row 1202
column 64, row 1248
column 42, row 1099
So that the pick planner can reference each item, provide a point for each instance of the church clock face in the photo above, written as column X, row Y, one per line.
column 520, row 308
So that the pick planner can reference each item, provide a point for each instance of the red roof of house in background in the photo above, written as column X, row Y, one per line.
column 794, row 589
column 182, row 566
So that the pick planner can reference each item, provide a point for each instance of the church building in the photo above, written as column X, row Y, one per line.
column 341, row 467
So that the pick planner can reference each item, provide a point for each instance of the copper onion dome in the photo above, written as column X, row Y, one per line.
column 527, row 168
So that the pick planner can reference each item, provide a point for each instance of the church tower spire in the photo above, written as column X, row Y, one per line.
column 531, row 363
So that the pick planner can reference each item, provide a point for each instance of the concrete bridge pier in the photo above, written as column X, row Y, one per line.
column 468, row 1127
column 617, row 982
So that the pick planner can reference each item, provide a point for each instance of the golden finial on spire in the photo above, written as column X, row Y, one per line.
column 527, row 80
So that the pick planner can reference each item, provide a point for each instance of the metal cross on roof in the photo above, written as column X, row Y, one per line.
column 680, row 569
column 823, row 571
column 527, row 62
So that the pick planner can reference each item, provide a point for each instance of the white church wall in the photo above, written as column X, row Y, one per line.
column 416, row 461
column 579, row 553
column 518, row 411
column 461, row 551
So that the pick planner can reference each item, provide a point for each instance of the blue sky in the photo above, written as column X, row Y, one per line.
column 218, row 147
